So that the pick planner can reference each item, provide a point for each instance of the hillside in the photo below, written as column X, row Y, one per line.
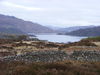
column 95, row 31
column 11, row 31
column 24, row 26
column 74, row 28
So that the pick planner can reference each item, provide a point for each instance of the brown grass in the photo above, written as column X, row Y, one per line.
column 59, row 68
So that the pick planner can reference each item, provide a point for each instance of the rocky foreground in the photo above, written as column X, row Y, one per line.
column 54, row 56
column 44, row 51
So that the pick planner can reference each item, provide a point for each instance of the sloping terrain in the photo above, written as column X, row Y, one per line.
column 74, row 28
column 11, row 30
column 95, row 31
column 24, row 26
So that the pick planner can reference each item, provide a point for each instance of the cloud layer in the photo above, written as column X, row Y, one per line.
column 54, row 12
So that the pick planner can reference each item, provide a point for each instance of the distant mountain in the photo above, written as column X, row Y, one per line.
column 74, row 28
column 55, row 27
column 94, row 31
column 13, row 23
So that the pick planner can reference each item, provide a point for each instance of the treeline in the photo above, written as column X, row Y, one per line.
column 12, row 36
column 9, row 38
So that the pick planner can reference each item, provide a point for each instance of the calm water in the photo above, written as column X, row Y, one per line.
column 59, row 38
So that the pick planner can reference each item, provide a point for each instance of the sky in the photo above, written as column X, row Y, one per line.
column 61, row 13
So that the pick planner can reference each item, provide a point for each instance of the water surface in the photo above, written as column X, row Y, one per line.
column 59, row 38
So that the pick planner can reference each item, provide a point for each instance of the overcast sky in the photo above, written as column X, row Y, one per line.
column 54, row 12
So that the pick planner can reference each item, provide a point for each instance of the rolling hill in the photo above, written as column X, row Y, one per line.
column 95, row 31
column 74, row 28
column 12, row 23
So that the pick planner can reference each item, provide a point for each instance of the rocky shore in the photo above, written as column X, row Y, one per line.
column 54, row 56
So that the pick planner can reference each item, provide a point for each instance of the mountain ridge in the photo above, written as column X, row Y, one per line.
column 95, row 31
column 74, row 28
column 25, row 26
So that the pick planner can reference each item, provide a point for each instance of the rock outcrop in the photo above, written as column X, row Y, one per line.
column 38, row 56
column 85, row 55
column 54, row 56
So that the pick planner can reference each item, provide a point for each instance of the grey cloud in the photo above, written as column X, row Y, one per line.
column 55, row 12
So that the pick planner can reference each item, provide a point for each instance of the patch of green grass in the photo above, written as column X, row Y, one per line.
column 93, row 38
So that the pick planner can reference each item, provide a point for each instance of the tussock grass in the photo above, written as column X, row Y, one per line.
column 57, row 68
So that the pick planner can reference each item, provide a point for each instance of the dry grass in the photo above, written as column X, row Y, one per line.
column 58, row 68
column 78, row 48
column 97, row 43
